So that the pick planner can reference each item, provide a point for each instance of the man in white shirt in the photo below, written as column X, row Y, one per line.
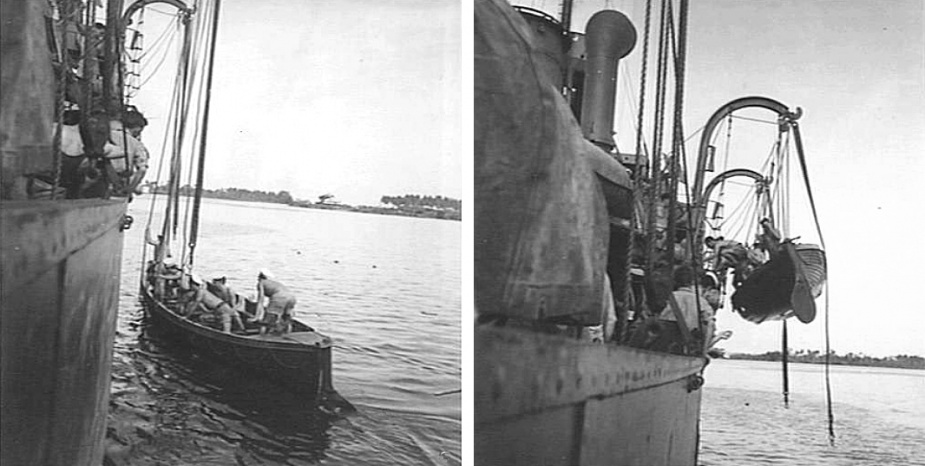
column 134, row 161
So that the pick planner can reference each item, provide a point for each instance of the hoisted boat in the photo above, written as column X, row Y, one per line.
column 794, row 274
column 299, row 359
column 778, row 289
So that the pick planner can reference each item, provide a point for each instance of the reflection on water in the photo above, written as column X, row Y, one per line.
column 385, row 288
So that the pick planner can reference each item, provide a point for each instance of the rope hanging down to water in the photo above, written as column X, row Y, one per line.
column 798, row 139
column 784, row 358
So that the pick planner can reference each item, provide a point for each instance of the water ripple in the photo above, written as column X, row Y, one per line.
column 392, row 311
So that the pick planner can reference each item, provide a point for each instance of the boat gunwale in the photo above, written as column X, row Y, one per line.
column 234, row 339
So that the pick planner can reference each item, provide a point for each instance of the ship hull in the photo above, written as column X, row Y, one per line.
column 546, row 399
column 60, row 291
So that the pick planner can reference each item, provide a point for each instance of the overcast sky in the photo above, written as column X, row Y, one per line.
column 356, row 98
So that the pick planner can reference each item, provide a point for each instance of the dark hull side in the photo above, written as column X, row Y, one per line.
column 769, row 293
column 61, row 267
column 303, row 369
column 544, row 399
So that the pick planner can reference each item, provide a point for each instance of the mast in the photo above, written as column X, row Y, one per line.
column 174, row 167
column 197, row 200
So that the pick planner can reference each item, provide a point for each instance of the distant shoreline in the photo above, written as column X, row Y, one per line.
column 419, row 207
column 902, row 361
column 449, row 214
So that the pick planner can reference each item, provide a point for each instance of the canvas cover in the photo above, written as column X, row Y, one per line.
column 541, row 223
column 27, row 90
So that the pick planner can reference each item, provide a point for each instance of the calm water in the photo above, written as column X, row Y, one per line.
column 387, row 289
column 879, row 416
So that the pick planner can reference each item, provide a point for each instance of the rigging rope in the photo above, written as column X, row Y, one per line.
column 828, row 385
column 755, row 120
column 678, row 149
column 642, row 85
column 785, row 355
column 199, row 176
column 641, row 174
column 654, row 187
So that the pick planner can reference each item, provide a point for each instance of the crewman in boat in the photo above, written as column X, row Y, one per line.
column 219, row 287
column 725, row 254
column 697, row 313
column 166, row 275
column 276, row 316
column 212, row 304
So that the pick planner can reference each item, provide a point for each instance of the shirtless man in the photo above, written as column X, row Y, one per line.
column 213, row 304
column 276, row 316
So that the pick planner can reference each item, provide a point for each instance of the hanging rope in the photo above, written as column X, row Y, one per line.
column 785, row 355
column 654, row 187
column 641, row 176
column 678, row 135
column 642, row 85
column 809, row 192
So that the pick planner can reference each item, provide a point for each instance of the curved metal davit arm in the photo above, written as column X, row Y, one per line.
column 134, row 7
column 725, row 176
column 701, row 206
column 784, row 114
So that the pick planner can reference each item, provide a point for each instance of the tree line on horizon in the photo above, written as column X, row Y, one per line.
column 236, row 194
column 417, row 201
column 904, row 361
column 407, row 201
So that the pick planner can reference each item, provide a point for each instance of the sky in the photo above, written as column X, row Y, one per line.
column 358, row 98
column 857, row 70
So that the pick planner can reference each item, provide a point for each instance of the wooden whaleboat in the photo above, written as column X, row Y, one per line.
column 778, row 289
column 787, row 284
column 299, row 360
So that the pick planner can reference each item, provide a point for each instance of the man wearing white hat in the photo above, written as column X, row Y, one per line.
column 276, row 316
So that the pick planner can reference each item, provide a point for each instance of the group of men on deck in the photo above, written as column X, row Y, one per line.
column 686, row 322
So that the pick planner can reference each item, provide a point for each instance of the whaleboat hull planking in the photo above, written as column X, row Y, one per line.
column 548, row 399
column 783, row 287
column 60, row 293
column 300, row 361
